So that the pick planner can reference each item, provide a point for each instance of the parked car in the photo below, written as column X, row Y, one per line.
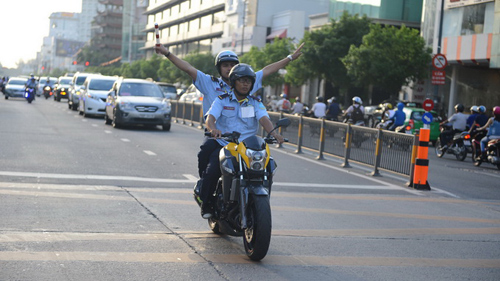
column 93, row 94
column 192, row 94
column 74, row 92
column 169, row 90
column 15, row 87
column 41, row 84
column 137, row 102
column 61, row 88
column 415, row 114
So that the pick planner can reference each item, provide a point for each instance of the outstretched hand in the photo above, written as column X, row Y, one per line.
column 160, row 49
column 297, row 52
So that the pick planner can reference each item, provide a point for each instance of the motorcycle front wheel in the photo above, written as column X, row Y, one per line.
column 257, row 236
column 462, row 154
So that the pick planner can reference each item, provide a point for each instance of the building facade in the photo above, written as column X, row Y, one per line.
column 133, row 37
column 107, row 30
column 470, row 40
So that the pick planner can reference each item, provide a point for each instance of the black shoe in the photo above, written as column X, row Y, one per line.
column 206, row 211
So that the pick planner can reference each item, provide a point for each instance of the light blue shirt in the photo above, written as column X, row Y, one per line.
column 212, row 89
column 232, row 116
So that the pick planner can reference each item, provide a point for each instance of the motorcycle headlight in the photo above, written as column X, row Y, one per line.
column 257, row 159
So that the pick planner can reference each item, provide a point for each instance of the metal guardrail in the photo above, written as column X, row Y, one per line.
column 380, row 149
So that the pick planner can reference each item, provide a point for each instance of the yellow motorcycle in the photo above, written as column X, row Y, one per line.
column 241, row 200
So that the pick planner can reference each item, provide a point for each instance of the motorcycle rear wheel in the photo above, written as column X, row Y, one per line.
column 462, row 154
column 257, row 236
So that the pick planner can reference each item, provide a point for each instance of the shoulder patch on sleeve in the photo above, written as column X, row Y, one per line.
column 221, row 97
column 254, row 98
column 215, row 79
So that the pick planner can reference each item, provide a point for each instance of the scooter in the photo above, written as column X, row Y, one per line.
column 47, row 92
column 492, row 153
column 240, row 203
column 29, row 94
column 458, row 146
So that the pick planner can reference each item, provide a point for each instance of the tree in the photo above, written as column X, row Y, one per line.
column 389, row 58
column 270, row 53
column 168, row 72
column 324, row 49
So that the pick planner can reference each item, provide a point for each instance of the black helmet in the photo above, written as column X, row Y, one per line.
column 241, row 70
column 319, row 99
column 225, row 56
column 459, row 107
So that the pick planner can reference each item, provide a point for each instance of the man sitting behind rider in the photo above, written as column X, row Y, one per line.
column 399, row 117
column 493, row 127
column 236, row 111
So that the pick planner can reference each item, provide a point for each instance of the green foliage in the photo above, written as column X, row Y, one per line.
column 271, row 53
column 324, row 49
column 389, row 58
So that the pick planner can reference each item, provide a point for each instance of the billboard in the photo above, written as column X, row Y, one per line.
column 67, row 48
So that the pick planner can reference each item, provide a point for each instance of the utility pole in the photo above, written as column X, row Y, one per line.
column 243, row 28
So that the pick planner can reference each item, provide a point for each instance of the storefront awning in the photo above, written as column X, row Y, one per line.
column 277, row 33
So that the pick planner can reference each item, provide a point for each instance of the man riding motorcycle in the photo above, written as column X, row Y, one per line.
column 355, row 111
column 458, row 122
column 399, row 117
column 236, row 111
column 31, row 84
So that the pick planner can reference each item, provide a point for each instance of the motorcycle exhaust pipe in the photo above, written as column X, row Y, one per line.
column 493, row 159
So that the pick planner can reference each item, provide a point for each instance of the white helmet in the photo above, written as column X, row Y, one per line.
column 357, row 100
column 474, row 108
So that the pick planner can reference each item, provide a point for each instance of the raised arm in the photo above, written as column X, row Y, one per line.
column 180, row 63
column 274, row 67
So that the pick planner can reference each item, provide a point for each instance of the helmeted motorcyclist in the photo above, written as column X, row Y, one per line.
column 333, row 110
column 211, row 87
column 399, row 117
column 458, row 122
column 233, row 111
column 356, row 110
column 318, row 109
column 493, row 127
column 31, row 83
column 474, row 112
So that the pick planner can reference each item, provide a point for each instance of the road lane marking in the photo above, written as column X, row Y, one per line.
column 95, row 125
column 193, row 258
column 125, row 140
column 108, row 132
column 115, row 197
column 148, row 152
column 93, row 177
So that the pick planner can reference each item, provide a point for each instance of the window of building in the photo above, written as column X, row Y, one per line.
column 205, row 45
column 468, row 20
column 218, row 17
column 473, row 19
column 194, row 24
column 192, row 47
column 206, row 21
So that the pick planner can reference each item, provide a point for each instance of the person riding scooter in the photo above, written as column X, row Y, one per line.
column 458, row 123
column 493, row 127
column 398, row 118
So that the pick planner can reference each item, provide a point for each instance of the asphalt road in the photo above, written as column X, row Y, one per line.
column 80, row 200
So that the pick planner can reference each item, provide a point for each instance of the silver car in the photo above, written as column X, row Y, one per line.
column 93, row 94
column 137, row 102
column 15, row 87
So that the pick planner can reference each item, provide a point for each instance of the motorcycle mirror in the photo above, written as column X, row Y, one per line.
column 285, row 122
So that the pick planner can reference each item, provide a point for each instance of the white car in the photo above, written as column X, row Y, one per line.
column 93, row 94
column 137, row 102
column 192, row 94
column 15, row 87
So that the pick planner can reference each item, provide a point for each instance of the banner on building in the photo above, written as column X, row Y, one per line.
column 448, row 4
column 67, row 48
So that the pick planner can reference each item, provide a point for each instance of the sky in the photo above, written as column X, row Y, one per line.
column 24, row 23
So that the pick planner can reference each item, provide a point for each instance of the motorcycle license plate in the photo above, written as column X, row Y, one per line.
column 467, row 142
